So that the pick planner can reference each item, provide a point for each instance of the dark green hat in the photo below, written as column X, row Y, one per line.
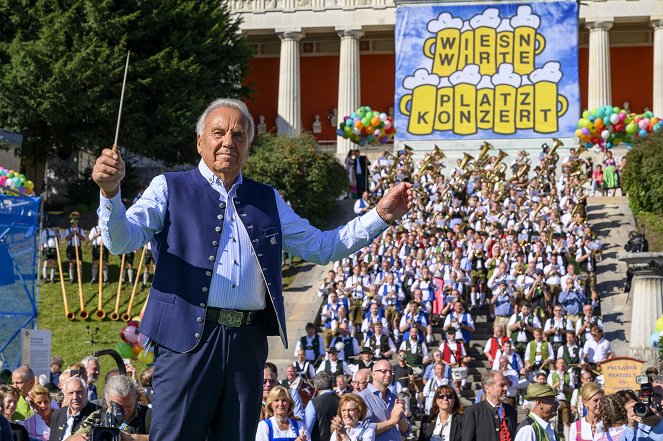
column 538, row 390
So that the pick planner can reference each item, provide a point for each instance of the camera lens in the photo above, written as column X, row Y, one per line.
column 641, row 409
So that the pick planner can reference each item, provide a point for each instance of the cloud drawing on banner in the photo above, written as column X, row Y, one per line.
column 469, row 75
column 489, row 18
column 551, row 71
column 525, row 17
column 420, row 77
column 444, row 82
column 444, row 21
column 505, row 75
column 485, row 83
column 505, row 26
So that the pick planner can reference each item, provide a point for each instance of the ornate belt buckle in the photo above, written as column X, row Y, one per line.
column 231, row 319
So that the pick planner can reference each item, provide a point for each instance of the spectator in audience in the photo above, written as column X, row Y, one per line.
column 9, row 396
column 384, row 409
column 38, row 425
column 348, row 424
column 589, row 426
column 444, row 422
column 91, row 365
column 279, row 422
column 66, row 420
column 23, row 380
column 321, row 409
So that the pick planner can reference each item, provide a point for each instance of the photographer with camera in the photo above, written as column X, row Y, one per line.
column 123, row 413
column 648, row 412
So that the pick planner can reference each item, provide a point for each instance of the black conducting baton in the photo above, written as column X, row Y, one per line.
column 119, row 112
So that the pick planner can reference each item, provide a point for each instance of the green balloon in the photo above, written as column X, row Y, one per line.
column 125, row 350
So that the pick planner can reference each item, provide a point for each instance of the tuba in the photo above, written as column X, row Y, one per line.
column 466, row 160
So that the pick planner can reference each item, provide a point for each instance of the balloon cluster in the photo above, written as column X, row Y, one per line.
column 133, row 344
column 16, row 181
column 367, row 126
column 608, row 126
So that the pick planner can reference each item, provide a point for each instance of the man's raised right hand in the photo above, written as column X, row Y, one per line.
column 108, row 171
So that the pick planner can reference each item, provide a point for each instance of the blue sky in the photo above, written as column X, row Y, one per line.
column 558, row 26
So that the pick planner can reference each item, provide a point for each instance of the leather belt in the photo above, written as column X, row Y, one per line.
column 231, row 318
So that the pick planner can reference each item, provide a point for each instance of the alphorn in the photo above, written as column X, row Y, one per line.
column 115, row 315
column 70, row 315
column 127, row 315
column 83, row 313
column 100, row 303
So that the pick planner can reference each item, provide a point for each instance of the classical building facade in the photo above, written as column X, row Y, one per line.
column 319, row 59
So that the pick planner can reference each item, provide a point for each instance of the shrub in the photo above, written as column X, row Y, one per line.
column 309, row 179
column 642, row 177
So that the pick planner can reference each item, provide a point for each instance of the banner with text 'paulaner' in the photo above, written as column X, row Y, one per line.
column 506, row 70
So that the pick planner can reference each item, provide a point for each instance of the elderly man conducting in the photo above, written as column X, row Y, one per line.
column 217, row 238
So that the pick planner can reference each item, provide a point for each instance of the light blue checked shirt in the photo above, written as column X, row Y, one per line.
column 237, row 282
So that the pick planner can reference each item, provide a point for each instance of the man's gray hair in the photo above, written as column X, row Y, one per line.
column 120, row 386
column 489, row 377
column 25, row 372
column 88, row 359
column 220, row 103
column 323, row 381
column 70, row 379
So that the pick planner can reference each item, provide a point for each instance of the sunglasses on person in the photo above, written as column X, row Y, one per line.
column 384, row 371
column 269, row 380
column 447, row 396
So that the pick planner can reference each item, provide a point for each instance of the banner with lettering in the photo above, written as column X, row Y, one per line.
column 506, row 70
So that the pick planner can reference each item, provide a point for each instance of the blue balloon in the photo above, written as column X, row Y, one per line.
column 653, row 339
column 340, row 132
column 642, row 133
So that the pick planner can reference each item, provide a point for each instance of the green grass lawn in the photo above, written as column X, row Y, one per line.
column 654, row 229
column 71, row 339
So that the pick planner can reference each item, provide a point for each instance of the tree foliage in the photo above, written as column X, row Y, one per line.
column 309, row 179
column 642, row 177
column 62, row 64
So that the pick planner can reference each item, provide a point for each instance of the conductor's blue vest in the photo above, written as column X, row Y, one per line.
column 185, row 251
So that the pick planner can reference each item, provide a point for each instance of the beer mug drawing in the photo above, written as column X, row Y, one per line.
column 527, row 43
column 549, row 106
column 465, row 99
column 466, row 54
column 445, row 106
column 525, row 104
column 444, row 47
column 506, row 84
column 485, row 103
column 419, row 105
column 485, row 40
column 504, row 42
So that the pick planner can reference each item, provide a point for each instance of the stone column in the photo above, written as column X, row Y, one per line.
column 289, row 119
column 599, row 87
column 349, row 80
column 657, row 104
column 647, row 292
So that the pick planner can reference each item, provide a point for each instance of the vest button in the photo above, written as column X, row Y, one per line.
column 215, row 243
column 199, row 319
column 220, row 217
column 222, row 205
column 197, row 335
column 202, row 305
column 208, row 273
column 204, row 289
column 212, row 258
column 217, row 229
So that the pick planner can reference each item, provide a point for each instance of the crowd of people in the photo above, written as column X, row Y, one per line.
column 507, row 240
column 65, row 405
